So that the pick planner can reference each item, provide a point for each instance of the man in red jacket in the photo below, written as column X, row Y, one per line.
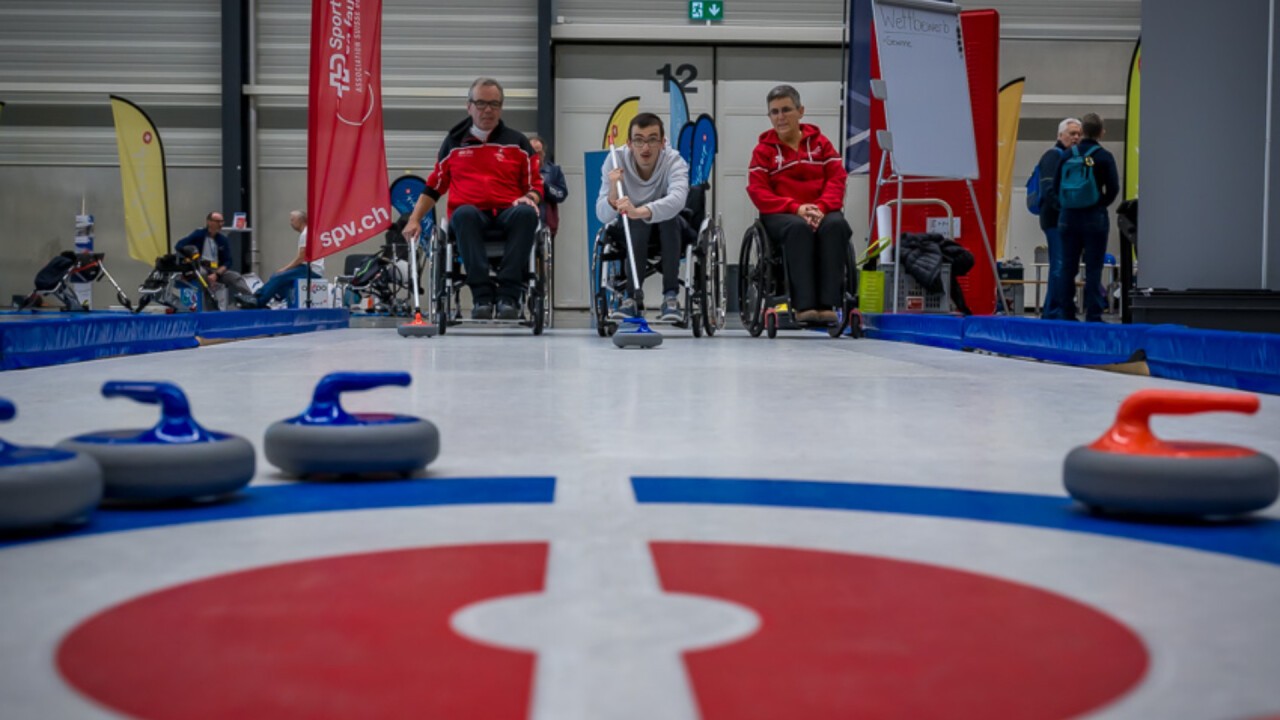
column 490, row 173
column 796, row 180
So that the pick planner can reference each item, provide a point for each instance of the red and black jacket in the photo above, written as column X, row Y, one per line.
column 780, row 179
column 490, row 175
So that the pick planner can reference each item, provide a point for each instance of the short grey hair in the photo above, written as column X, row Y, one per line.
column 300, row 214
column 783, row 91
column 485, row 82
column 1062, row 126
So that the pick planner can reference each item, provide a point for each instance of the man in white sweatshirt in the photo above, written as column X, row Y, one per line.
column 655, row 183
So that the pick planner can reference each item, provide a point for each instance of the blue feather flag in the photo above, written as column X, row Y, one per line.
column 703, row 150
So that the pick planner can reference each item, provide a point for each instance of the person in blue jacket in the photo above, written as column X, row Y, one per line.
column 215, row 254
column 555, row 189
column 1084, row 231
column 1068, row 135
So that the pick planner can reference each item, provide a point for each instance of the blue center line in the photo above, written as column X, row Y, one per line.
column 1251, row 538
column 293, row 499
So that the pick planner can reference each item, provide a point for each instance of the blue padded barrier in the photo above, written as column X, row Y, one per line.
column 944, row 331
column 38, row 340
column 1061, row 341
column 1244, row 361
column 253, row 323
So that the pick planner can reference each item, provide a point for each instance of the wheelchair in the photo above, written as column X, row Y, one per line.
column 381, row 279
column 171, row 274
column 446, row 279
column 702, row 277
column 764, row 290
column 56, row 278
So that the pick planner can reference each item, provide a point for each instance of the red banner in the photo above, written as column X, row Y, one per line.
column 347, row 196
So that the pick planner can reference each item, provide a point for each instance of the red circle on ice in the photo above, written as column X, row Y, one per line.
column 368, row 636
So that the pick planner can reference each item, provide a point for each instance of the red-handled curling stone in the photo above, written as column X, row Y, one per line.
column 176, row 459
column 1130, row 470
column 418, row 328
column 44, row 486
column 327, row 440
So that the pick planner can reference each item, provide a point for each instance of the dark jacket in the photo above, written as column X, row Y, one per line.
column 923, row 256
column 196, row 240
column 1049, row 163
column 555, row 190
column 1104, row 174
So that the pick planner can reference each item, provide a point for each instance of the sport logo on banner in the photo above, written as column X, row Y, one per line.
column 347, row 195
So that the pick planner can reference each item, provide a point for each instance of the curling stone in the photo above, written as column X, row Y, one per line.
column 176, row 459
column 327, row 440
column 44, row 486
column 635, row 332
column 1130, row 470
column 418, row 328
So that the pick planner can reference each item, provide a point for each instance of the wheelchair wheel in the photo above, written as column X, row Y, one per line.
column 599, row 312
column 601, row 271
column 752, row 280
column 439, row 281
column 849, row 315
column 694, row 299
column 538, row 307
column 714, row 309
column 771, row 324
column 548, row 278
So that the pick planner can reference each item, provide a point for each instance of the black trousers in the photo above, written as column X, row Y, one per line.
column 518, row 223
column 642, row 233
column 815, row 258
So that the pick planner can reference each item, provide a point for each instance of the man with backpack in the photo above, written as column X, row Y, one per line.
column 1087, row 183
column 1043, row 200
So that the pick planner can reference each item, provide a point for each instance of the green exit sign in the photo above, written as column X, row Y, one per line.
column 708, row 10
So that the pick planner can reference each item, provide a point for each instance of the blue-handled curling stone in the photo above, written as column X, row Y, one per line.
column 44, row 486
column 176, row 459
column 327, row 440
column 635, row 332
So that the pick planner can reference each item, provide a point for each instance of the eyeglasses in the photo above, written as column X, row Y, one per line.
column 641, row 142
column 486, row 104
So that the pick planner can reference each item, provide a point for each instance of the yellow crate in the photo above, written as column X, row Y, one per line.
column 871, row 291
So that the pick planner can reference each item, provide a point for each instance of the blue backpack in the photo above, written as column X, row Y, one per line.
column 1077, row 189
column 1038, row 189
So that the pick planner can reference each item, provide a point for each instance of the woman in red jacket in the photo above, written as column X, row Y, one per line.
column 796, row 181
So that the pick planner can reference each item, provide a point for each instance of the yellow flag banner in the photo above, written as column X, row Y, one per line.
column 615, row 133
column 146, row 197
column 1132, row 110
column 1010, row 112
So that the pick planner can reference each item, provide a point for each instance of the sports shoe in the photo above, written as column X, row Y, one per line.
column 507, row 310
column 626, row 309
column 670, row 309
column 482, row 311
column 807, row 316
column 827, row 316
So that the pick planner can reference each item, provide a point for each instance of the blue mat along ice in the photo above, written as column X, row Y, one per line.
column 1244, row 361
column 36, row 340
column 1061, row 341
